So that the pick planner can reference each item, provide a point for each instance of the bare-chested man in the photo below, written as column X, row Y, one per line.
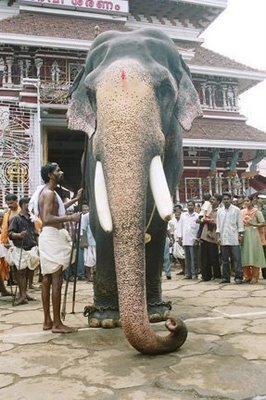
column 54, row 246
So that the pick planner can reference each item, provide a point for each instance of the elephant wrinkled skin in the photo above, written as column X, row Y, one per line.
column 131, row 99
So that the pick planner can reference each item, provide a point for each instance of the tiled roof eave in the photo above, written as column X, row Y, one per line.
column 212, row 3
column 224, row 134
column 224, row 144
column 227, row 72
column 45, row 41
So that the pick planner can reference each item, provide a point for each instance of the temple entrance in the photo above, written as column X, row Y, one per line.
column 66, row 147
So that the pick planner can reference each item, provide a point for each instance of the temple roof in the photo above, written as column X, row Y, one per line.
column 175, row 13
column 210, row 58
column 195, row 14
column 35, row 24
column 214, row 129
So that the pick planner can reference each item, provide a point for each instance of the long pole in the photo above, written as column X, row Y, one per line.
column 77, row 240
column 80, row 209
column 78, row 233
column 63, row 311
column 75, row 244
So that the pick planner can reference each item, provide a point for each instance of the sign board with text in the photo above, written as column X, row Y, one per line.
column 119, row 7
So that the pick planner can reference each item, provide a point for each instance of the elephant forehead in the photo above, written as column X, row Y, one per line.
column 122, row 71
column 127, row 80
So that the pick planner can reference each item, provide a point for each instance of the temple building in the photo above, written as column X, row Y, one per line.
column 43, row 45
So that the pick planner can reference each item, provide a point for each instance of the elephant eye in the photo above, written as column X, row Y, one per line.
column 165, row 89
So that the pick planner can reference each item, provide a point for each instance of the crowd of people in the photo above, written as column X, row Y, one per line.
column 223, row 239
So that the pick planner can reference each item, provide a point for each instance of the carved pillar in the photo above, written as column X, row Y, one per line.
column 209, row 90
column 214, row 157
column 235, row 91
column 27, row 67
column 243, row 185
column 203, row 91
column 55, row 72
column 230, row 98
column 217, row 186
column 3, row 70
column 38, row 64
column 234, row 160
column 21, row 69
column 224, row 96
column 9, row 62
column 229, row 184
column 213, row 90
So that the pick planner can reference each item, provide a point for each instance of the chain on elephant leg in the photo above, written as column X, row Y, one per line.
column 159, row 311
column 102, row 317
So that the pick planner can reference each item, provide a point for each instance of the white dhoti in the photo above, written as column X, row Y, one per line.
column 3, row 250
column 55, row 249
column 23, row 259
column 90, row 256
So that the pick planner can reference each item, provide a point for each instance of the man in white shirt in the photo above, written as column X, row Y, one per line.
column 189, row 229
column 175, row 230
column 230, row 231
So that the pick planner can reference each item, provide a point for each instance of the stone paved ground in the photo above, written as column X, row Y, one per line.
column 224, row 356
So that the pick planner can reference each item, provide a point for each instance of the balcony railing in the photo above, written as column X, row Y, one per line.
column 57, row 74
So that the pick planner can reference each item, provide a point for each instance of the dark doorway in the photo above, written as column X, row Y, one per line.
column 66, row 147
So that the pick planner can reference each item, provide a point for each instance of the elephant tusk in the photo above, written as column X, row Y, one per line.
column 101, row 199
column 160, row 189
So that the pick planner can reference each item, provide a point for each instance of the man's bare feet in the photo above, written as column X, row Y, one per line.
column 47, row 325
column 61, row 328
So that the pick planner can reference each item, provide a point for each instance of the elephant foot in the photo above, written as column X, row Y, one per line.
column 159, row 311
column 102, row 317
column 109, row 317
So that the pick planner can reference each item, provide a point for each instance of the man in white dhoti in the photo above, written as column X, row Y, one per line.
column 54, row 244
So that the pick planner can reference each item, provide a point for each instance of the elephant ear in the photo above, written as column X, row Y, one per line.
column 188, row 102
column 80, row 114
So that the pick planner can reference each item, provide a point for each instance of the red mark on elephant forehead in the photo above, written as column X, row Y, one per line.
column 124, row 81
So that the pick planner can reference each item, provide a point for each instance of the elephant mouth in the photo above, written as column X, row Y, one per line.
column 159, row 189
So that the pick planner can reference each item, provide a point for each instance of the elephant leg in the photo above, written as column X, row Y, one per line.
column 105, row 311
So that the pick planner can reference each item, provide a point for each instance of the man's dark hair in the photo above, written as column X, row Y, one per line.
column 206, row 196
column 178, row 206
column 191, row 201
column 24, row 200
column 47, row 169
column 228, row 194
column 251, row 197
column 218, row 197
column 11, row 197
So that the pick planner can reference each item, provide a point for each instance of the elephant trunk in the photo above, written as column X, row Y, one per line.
column 127, row 199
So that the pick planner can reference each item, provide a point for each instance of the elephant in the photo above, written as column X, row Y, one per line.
column 132, row 98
